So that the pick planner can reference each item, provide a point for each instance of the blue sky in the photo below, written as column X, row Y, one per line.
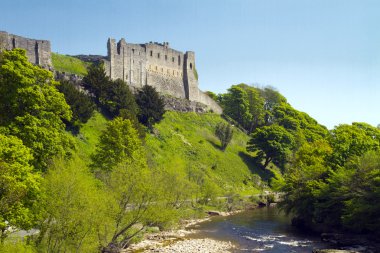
column 323, row 55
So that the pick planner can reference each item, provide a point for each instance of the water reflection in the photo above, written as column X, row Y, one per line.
column 260, row 230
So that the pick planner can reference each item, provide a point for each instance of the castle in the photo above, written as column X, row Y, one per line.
column 170, row 71
column 38, row 51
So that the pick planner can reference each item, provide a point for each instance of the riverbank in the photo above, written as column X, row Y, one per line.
column 175, row 241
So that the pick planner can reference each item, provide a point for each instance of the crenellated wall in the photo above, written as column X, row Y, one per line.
column 38, row 51
column 170, row 71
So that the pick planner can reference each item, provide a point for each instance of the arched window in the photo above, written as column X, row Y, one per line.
column 151, row 53
column 179, row 60
column 191, row 66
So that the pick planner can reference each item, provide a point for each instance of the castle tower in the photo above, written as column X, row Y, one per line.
column 111, row 50
column 190, row 78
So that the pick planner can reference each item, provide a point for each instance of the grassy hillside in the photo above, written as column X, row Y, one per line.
column 68, row 64
column 185, row 142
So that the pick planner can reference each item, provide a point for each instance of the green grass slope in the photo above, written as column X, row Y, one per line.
column 69, row 64
column 186, row 143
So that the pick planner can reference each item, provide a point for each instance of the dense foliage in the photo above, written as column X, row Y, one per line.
column 334, row 183
column 151, row 106
column 32, row 108
column 111, row 96
column 331, row 178
column 80, row 103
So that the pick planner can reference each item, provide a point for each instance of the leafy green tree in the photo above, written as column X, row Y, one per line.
column 256, row 106
column 120, row 163
column 303, row 127
column 19, row 186
column 151, row 106
column 32, row 108
column 304, row 179
column 273, row 143
column 111, row 96
column 224, row 132
column 74, row 206
column 141, row 129
column 96, row 82
column 349, row 141
column 119, row 97
column 236, row 105
column 81, row 104
column 272, row 98
column 118, row 143
column 361, row 182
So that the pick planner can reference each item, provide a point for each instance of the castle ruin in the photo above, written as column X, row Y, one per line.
column 38, row 51
column 170, row 71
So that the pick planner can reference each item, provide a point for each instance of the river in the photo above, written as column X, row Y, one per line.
column 259, row 230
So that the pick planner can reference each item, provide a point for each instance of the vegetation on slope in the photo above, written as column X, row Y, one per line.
column 186, row 142
column 69, row 64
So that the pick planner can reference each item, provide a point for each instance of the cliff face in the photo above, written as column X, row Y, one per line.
column 38, row 51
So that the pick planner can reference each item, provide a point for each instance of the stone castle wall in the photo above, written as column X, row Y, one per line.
column 170, row 71
column 38, row 51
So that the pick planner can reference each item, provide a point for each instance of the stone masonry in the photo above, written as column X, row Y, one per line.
column 170, row 71
column 38, row 51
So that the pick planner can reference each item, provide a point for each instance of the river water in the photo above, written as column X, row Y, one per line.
column 259, row 230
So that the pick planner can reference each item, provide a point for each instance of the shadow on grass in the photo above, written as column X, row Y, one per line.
column 217, row 146
column 256, row 167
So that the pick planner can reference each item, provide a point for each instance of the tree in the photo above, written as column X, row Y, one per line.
column 74, row 206
column 111, row 96
column 81, row 104
column 151, row 106
column 272, row 98
column 120, row 163
column 118, row 97
column 32, row 108
column 19, row 186
column 236, row 105
column 96, row 82
column 349, row 141
column 224, row 132
column 273, row 143
column 118, row 143
column 304, row 179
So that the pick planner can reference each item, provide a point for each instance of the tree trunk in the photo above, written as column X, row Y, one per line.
column 267, row 161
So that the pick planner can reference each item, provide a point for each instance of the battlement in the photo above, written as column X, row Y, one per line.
column 38, row 51
column 170, row 71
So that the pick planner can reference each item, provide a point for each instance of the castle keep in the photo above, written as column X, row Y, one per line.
column 38, row 51
column 170, row 71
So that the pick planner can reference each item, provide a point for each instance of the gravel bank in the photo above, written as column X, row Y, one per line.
column 195, row 246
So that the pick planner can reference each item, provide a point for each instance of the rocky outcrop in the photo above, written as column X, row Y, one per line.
column 184, row 105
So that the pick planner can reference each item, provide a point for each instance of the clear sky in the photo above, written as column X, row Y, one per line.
column 323, row 55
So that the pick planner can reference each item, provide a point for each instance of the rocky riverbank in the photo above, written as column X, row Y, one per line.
column 175, row 241
column 195, row 246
